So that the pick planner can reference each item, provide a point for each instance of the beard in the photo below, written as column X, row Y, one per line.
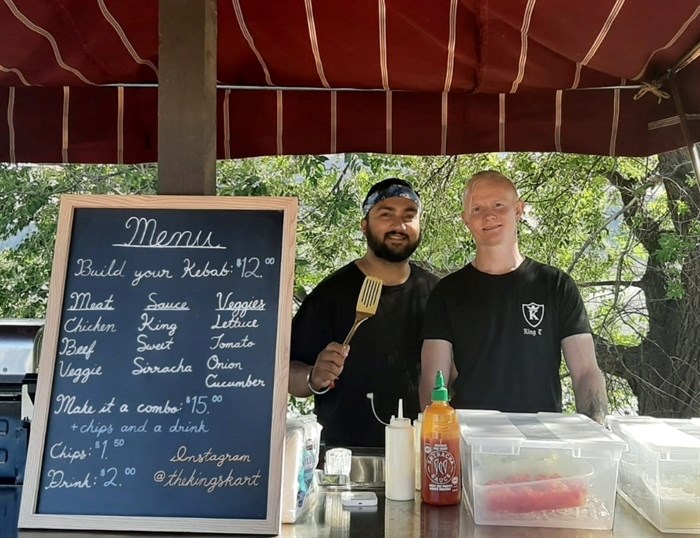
column 382, row 249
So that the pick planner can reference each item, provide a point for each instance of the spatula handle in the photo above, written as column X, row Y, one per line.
column 358, row 322
column 354, row 327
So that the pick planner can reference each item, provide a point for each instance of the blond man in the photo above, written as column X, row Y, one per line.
column 500, row 324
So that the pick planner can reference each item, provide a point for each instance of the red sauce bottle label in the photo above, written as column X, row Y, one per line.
column 441, row 467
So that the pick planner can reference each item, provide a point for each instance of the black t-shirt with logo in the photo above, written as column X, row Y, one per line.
column 506, row 332
column 384, row 353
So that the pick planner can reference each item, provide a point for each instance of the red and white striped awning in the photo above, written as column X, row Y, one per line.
column 394, row 76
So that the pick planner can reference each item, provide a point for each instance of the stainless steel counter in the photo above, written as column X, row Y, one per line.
column 325, row 517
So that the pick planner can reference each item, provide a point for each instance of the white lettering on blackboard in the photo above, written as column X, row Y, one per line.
column 150, row 273
column 67, row 404
column 82, row 301
column 197, row 479
column 107, row 408
column 190, row 428
column 78, row 374
column 135, row 428
column 97, row 428
column 219, row 343
column 147, row 235
column 213, row 363
column 57, row 480
column 158, row 409
column 212, row 383
column 238, row 308
column 71, row 348
column 153, row 304
column 85, row 269
column 144, row 345
column 59, row 451
column 209, row 457
column 234, row 323
column 79, row 325
column 143, row 367
column 148, row 322
column 190, row 270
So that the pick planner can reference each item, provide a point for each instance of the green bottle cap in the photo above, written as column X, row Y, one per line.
column 439, row 390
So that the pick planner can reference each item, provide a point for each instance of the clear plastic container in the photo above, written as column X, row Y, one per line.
column 660, row 475
column 338, row 461
column 539, row 470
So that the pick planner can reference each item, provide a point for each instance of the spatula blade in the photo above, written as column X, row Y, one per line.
column 370, row 293
column 367, row 303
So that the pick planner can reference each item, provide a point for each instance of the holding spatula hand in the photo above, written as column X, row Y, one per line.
column 330, row 361
column 340, row 363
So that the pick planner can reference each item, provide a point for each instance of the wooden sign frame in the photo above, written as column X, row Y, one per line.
column 29, row 517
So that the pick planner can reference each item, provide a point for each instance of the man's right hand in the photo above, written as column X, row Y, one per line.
column 329, row 365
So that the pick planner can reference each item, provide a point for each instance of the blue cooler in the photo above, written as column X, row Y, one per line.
column 19, row 341
column 10, row 497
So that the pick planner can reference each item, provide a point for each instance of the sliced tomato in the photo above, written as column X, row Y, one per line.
column 535, row 497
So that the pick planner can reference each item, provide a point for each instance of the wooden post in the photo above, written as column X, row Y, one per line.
column 685, row 130
column 187, row 97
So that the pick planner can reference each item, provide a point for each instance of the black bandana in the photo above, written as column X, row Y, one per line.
column 396, row 189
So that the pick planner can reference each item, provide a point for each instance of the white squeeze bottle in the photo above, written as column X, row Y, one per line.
column 400, row 459
column 417, row 445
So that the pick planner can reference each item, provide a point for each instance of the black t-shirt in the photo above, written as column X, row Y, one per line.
column 384, row 354
column 506, row 332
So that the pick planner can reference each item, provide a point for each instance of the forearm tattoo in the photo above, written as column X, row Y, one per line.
column 593, row 404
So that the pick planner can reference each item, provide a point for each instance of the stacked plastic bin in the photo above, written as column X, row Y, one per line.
column 539, row 470
column 660, row 474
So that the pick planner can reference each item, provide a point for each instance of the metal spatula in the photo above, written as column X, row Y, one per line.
column 367, row 303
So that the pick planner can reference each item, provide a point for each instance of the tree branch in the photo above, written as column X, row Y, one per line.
column 624, row 283
column 595, row 234
column 336, row 188
column 645, row 229
column 621, row 361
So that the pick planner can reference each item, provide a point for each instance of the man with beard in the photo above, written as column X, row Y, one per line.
column 383, row 357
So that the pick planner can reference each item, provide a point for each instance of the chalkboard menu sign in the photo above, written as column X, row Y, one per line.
column 163, row 376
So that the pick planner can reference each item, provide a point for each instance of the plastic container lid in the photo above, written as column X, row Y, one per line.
column 671, row 439
column 506, row 433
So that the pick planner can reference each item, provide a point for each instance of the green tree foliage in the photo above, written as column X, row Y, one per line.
column 29, row 197
column 627, row 230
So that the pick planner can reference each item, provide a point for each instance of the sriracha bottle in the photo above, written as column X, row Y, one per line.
column 441, row 482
